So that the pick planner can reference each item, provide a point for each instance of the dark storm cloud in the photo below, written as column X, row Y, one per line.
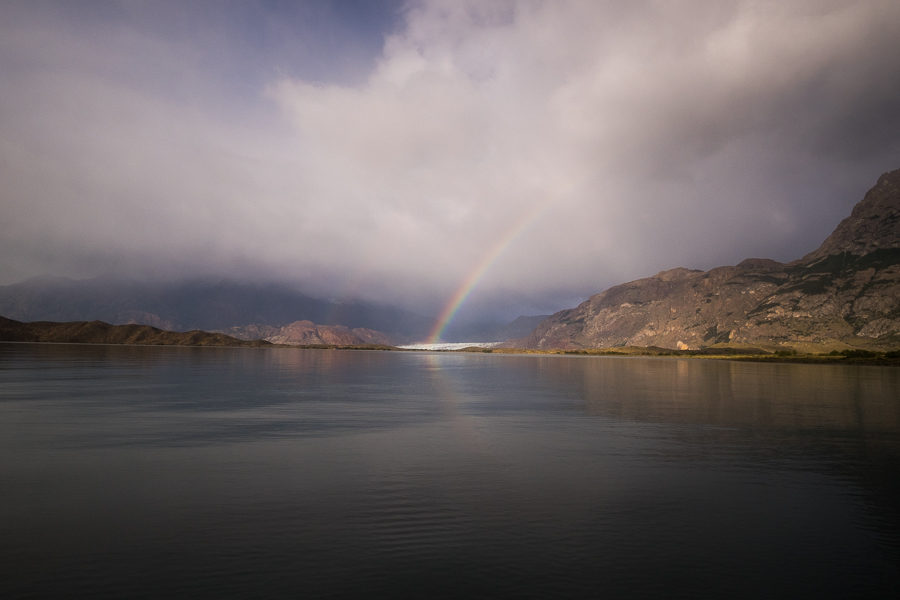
column 594, row 142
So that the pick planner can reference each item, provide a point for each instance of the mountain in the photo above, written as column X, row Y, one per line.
column 309, row 333
column 846, row 292
column 516, row 329
column 492, row 331
column 207, row 305
column 98, row 332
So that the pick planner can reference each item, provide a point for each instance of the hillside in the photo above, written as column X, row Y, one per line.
column 309, row 333
column 196, row 304
column 98, row 332
column 846, row 292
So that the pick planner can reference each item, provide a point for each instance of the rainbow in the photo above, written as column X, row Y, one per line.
column 462, row 292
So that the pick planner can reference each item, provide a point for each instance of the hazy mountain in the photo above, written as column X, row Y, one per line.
column 207, row 305
column 846, row 291
column 518, row 328
column 491, row 331
column 307, row 332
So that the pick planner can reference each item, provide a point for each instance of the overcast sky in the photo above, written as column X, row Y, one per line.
column 390, row 150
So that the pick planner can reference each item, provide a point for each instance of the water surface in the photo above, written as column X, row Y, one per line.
column 154, row 472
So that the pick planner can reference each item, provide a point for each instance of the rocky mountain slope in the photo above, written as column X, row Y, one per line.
column 845, row 292
column 98, row 332
column 309, row 333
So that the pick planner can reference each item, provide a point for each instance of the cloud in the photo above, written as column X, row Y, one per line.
column 642, row 136
column 652, row 135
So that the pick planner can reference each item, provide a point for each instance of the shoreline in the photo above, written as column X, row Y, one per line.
column 100, row 333
column 848, row 357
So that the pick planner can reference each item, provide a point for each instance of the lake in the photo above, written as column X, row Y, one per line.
column 165, row 472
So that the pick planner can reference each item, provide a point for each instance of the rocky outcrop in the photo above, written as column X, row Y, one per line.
column 255, row 331
column 306, row 333
column 846, row 291
column 874, row 224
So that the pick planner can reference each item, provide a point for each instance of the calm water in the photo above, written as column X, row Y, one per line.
column 137, row 472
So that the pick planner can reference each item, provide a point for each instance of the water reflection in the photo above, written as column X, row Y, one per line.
column 297, row 383
column 174, row 472
column 732, row 393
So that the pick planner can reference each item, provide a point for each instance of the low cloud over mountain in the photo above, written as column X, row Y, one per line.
column 399, row 151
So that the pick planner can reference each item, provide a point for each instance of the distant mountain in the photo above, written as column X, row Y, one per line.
column 309, row 333
column 207, row 305
column 98, row 332
column 845, row 292
column 518, row 328
column 492, row 331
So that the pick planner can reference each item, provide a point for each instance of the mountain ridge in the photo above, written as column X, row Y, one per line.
column 305, row 332
column 847, row 291
column 209, row 305
column 99, row 332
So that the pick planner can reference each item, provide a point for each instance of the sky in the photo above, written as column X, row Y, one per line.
column 509, row 157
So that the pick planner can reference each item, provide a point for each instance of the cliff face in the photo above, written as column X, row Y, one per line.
column 874, row 223
column 848, row 291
